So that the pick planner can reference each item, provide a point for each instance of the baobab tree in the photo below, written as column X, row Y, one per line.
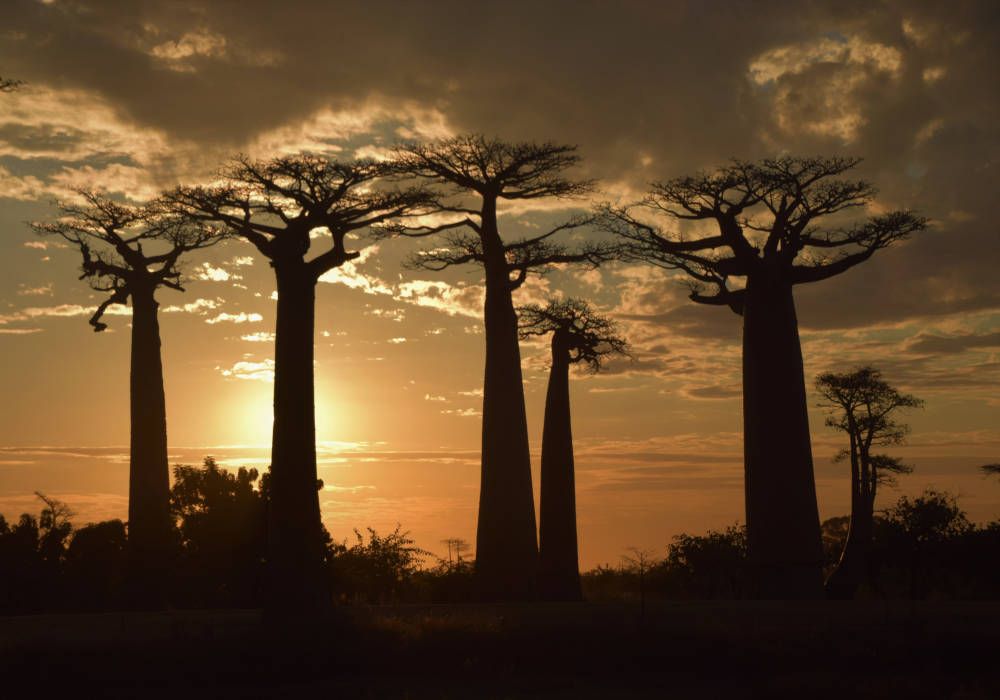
column 579, row 335
column 767, row 240
column 282, row 207
column 129, row 252
column 862, row 404
column 476, row 174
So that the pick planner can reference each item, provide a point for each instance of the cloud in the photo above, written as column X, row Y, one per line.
column 250, row 371
column 61, row 311
column 241, row 317
column 198, row 306
column 259, row 337
column 926, row 343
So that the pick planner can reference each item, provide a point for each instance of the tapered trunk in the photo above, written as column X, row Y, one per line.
column 558, row 564
column 149, row 525
column 853, row 566
column 783, row 530
column 296, row 576
column 506, row 541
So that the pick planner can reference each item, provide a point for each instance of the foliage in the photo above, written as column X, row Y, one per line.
column 377, row 571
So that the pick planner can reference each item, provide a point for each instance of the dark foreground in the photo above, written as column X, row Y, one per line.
column 692, row 649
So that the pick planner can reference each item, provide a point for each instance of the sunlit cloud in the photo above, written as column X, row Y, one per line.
column 241, row 317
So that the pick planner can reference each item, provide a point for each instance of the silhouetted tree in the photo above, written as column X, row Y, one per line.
column 991, row 469
column 862, row 404
column 640, row 561
column 768, row 239
column 379, row 570
column 481, row 173
column 917, row 534
column 579, row 334
column 456, row 546
column 130, row 252
column 221, row 518
column 282, row 206
column 712, row 565
column 95, row 565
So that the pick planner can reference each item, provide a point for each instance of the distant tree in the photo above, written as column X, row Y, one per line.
column 130, row 252
column 712, row 565
column 864, row 406
column 767, row 240
column 95, row 565
column 991, row 469
column 379, row 569
column 456, row 546
column 282, row 206
column 918, row 534
column 480, row 173
column 221, row 518
column 579, row 335
column 640, row 561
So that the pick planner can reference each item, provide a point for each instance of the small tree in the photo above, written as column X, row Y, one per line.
column 991, row 469
column 863, row 405
column 477, row 174
column 579, row 335
column 130, row 252
column 281, row 207
column 766, row 241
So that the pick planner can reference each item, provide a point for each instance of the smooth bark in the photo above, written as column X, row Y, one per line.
column 506, row 543
column 785, row 547
column 149, row 524
column 295, row 548
column 558, row 561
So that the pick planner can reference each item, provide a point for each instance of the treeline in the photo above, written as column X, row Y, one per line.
column 923, row 547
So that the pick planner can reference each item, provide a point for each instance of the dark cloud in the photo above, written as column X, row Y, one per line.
column 946, row 345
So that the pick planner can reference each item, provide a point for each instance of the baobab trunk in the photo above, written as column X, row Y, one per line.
column 558, row 563
column 506, row 543
column 149, row 526
column 296, row 578
column 854, row 565
column 783, row 530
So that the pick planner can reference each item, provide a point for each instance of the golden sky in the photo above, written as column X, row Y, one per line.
column 136, row 98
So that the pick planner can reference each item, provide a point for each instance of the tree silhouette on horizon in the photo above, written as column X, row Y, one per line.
column 488, row 171
column 767, row 241
column 129, row 252
column 862, row 405
column 278, row 205
column 579, row 335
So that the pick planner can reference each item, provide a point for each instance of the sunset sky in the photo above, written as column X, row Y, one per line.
column 137, row 97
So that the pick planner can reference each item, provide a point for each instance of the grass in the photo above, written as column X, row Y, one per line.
column 702, row 649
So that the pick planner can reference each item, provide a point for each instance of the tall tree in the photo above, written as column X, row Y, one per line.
column 862, row 404
column 282, row 206
column 767, row 240
column 477, row 174
column 579, row 335
column 130, row 252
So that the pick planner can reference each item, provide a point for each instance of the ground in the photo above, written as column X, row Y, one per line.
column 869, row 649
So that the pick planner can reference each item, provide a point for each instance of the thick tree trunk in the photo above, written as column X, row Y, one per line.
column 852, row 567
column 855, row 561
column 558, row 563
column 296, row 576
column 506, row 540
column 782, row 517
column 149, row 525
